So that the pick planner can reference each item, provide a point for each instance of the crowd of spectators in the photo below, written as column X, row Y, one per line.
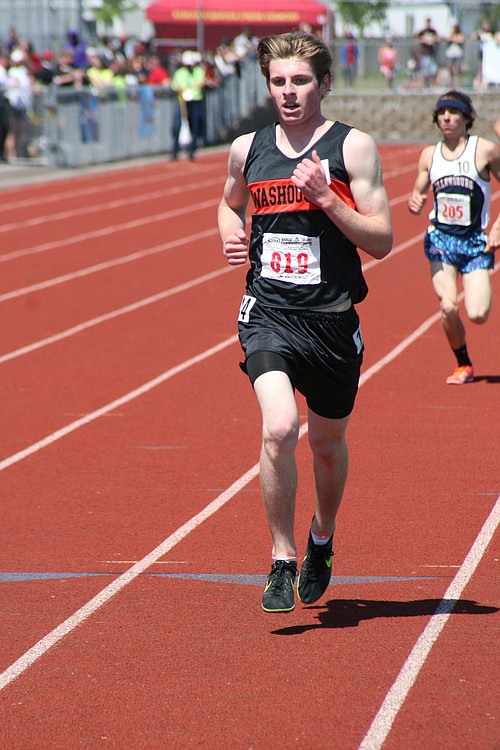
column 119, row 64
column 110, row 64
column 440, row 61
column 434, row 59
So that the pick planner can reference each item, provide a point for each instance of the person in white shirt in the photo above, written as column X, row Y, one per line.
column 19, row 92
column 458, row 242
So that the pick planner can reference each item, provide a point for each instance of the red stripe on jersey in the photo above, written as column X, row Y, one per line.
column 280, row 196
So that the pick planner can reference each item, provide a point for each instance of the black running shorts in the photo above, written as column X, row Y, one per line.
column 321, row 352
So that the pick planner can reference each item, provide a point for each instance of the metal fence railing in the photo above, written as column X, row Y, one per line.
column 74, row 127
column 71, row 127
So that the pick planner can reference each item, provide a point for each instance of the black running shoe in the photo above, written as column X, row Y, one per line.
column 316, row 571
column 278, row 595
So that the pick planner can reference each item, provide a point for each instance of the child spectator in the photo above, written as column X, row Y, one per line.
column 387, row 57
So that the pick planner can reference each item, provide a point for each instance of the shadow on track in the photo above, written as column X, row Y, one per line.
column 348, row 613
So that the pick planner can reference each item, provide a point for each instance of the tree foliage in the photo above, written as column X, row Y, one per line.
column 111, row 9
column 490, row 13
column 360, row 14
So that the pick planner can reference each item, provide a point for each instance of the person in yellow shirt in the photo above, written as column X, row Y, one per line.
column 99, row 75
column 188, row 82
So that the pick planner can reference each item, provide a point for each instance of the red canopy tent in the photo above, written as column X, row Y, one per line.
column 216, row 19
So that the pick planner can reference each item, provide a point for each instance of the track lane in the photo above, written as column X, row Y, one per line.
column 224, row 703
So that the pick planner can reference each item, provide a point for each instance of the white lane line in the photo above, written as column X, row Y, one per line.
column 114, row 314
column 386, row 715
column 454, row 590
column 126, row 183
column 151, row 300
column 40, row 648
column 148, row 179
column 92, row 416
column 105, row 265
column 105, row 231
column 46, row 643
column 104, row 207
column 140, row 254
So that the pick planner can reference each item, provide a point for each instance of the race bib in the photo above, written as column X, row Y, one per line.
column 453, row 209
column 293, row 258
column 246, row 305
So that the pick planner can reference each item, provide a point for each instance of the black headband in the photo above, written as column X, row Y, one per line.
column 453, row 104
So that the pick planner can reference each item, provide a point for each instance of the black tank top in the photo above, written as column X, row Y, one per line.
column 298, row 257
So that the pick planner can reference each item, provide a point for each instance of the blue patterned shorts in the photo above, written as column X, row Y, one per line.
column 466, row 254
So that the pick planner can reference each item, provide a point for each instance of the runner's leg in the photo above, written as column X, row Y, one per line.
column 329, row 448
column 444, row 281
column 278, row 471
column 477, row 289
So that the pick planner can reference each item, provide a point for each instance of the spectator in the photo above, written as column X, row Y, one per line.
column 32, row 59
column 212, row 73
column 13, row 41
column 77, row 49
column 120, row 71
column 349, row 53
column 105, row 50
column 20, row 96
column 226, row 59
column 387, row 57
column 483, row 35
column 157, row 73
column 455, row 56
column 4, row 106
column 245, row 44
column 137, row 72
column 188, row 82
column 428, row 40
column 64, row 72
column 100, row 75
column 45, row 75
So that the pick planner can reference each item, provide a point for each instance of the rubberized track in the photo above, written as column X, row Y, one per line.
column 134, row 544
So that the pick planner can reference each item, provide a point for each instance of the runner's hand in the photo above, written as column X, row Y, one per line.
column 236, row 248
column 309, row 177
column 493, row 238
column 416, row 202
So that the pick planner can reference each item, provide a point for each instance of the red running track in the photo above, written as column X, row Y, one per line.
column 134, row 543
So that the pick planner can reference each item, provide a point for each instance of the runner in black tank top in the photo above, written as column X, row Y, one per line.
column 317, row 192
column 333, row 274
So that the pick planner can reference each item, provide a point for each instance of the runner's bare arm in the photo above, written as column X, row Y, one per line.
column 232, row 208
column 418, row 195
column 369, row 225
column 488, row 153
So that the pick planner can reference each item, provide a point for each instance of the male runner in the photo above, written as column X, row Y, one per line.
column 317, row 193
column 456, row 242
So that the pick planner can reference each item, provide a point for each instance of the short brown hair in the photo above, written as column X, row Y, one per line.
column 299, row 45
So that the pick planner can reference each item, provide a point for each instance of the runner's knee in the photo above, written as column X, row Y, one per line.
column 449, row 307
column 280, row 435
column 478, row 315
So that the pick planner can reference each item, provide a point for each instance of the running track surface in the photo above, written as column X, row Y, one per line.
column 134, row 544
